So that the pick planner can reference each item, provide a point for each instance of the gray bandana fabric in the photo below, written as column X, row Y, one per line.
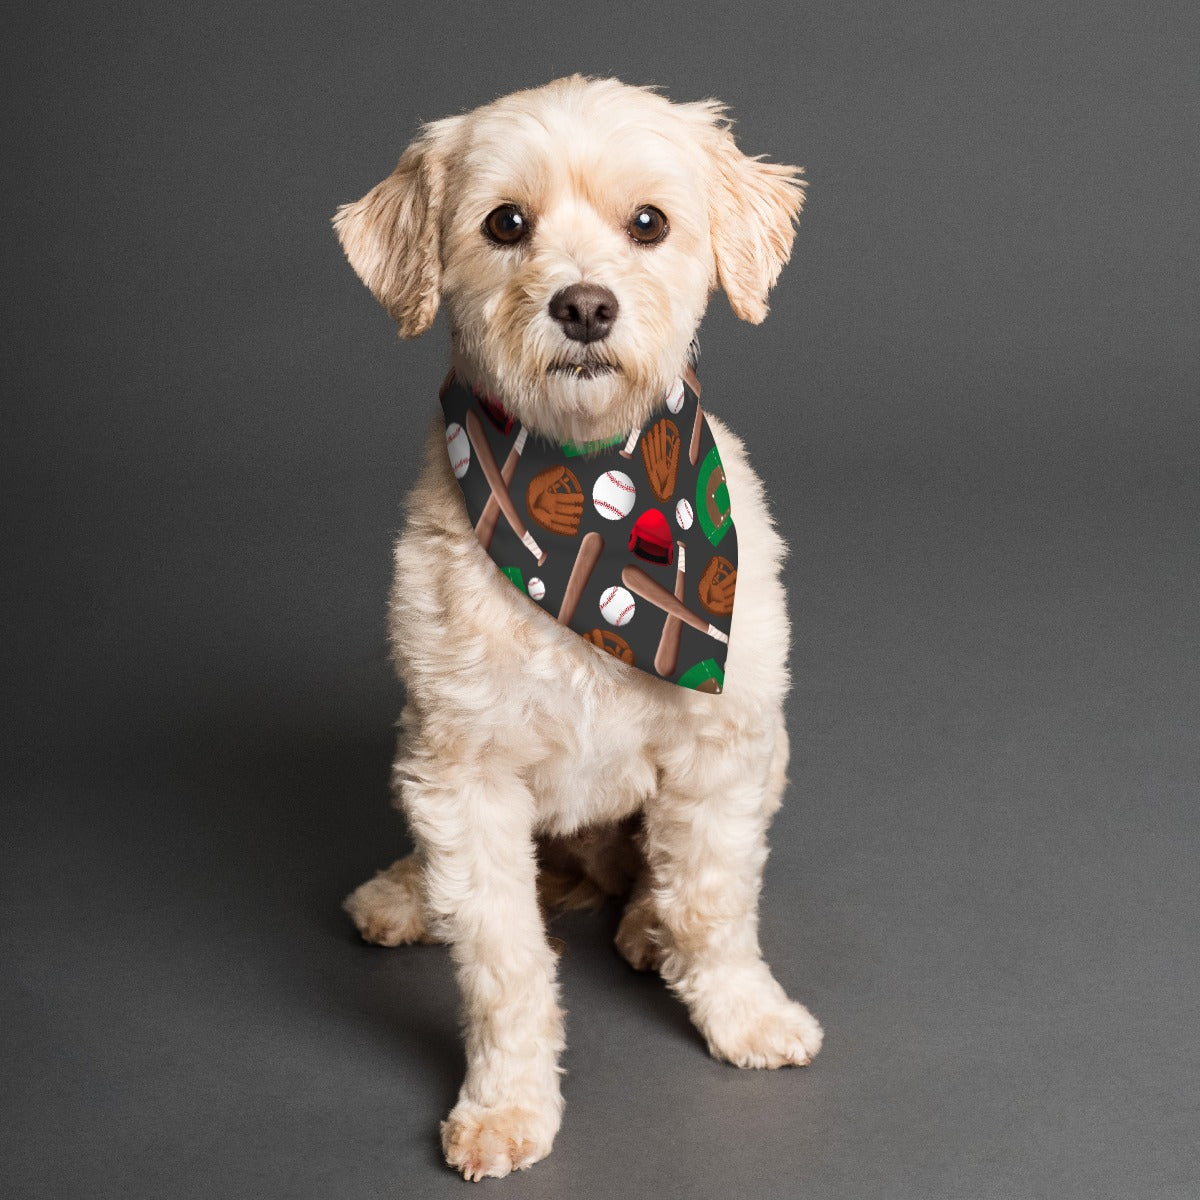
column 629, row 542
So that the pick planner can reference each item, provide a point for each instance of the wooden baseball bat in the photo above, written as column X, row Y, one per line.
column 697, row 425
column 667, row 658
column 485, row 527
column 692, row 380
column 627, row 450
column 487, row 460
column 590, row 550
column 638, row 582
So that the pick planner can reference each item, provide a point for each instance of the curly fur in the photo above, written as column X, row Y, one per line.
column 522, row 747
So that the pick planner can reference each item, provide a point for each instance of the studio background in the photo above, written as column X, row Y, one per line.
column 974, row 406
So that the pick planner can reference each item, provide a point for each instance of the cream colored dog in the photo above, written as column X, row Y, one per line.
column 521, row 742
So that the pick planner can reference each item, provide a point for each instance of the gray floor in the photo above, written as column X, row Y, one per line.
column 984, row 883
column 974, row 406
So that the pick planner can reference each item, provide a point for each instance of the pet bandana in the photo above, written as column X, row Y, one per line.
column 629, row 542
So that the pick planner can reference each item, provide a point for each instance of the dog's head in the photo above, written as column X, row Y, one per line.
column 575, row 232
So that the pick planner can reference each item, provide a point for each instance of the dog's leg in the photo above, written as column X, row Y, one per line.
column 475, row 835
column 389, row 910
column 706, row 846
column 638, row 938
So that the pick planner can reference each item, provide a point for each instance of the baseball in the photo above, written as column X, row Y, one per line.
column 616, row 606
column 458, row 447
column 683, row 515
column 675, row 396
column 613, row 494
column 537, row 589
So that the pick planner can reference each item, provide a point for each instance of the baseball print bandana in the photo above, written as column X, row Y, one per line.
column 629, row 542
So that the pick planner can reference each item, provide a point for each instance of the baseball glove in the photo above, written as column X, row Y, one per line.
column 660, row 453
column 554, row 500
column 608, row 641
column 717, row 586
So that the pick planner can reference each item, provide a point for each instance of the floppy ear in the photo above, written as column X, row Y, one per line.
column 753, row 210
column 392, row 237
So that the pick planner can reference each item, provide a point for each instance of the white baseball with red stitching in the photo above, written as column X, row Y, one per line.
column 614, row 495
column 458, row 447
column 617, row 606
column 675, row 396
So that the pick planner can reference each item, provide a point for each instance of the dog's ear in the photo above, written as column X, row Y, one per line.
column 392, row 235
column 753, row 208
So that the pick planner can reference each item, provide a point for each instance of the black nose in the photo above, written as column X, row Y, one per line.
column 586, row 311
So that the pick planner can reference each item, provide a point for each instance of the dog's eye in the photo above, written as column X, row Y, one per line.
column 647, row 226
column 506, row 225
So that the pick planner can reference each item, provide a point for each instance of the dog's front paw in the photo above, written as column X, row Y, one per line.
column 491, row 1142
column 780, row 1034
column 389, row 910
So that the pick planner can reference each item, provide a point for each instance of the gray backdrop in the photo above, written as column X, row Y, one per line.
column 975, row 408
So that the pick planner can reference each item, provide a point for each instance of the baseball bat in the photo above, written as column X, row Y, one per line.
column 486, row 525
column 692, row 380
column 697, row 425
column 487, row 460
column 667, row 657
column 590, row 550
column 627, row 449
column 638, row 582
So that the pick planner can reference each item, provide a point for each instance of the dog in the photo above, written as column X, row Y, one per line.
column 536, row 771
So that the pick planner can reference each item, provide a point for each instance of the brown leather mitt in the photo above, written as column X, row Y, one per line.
column 660, row 453
column 555, row 500
column 608, row 641
column 717, row 586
